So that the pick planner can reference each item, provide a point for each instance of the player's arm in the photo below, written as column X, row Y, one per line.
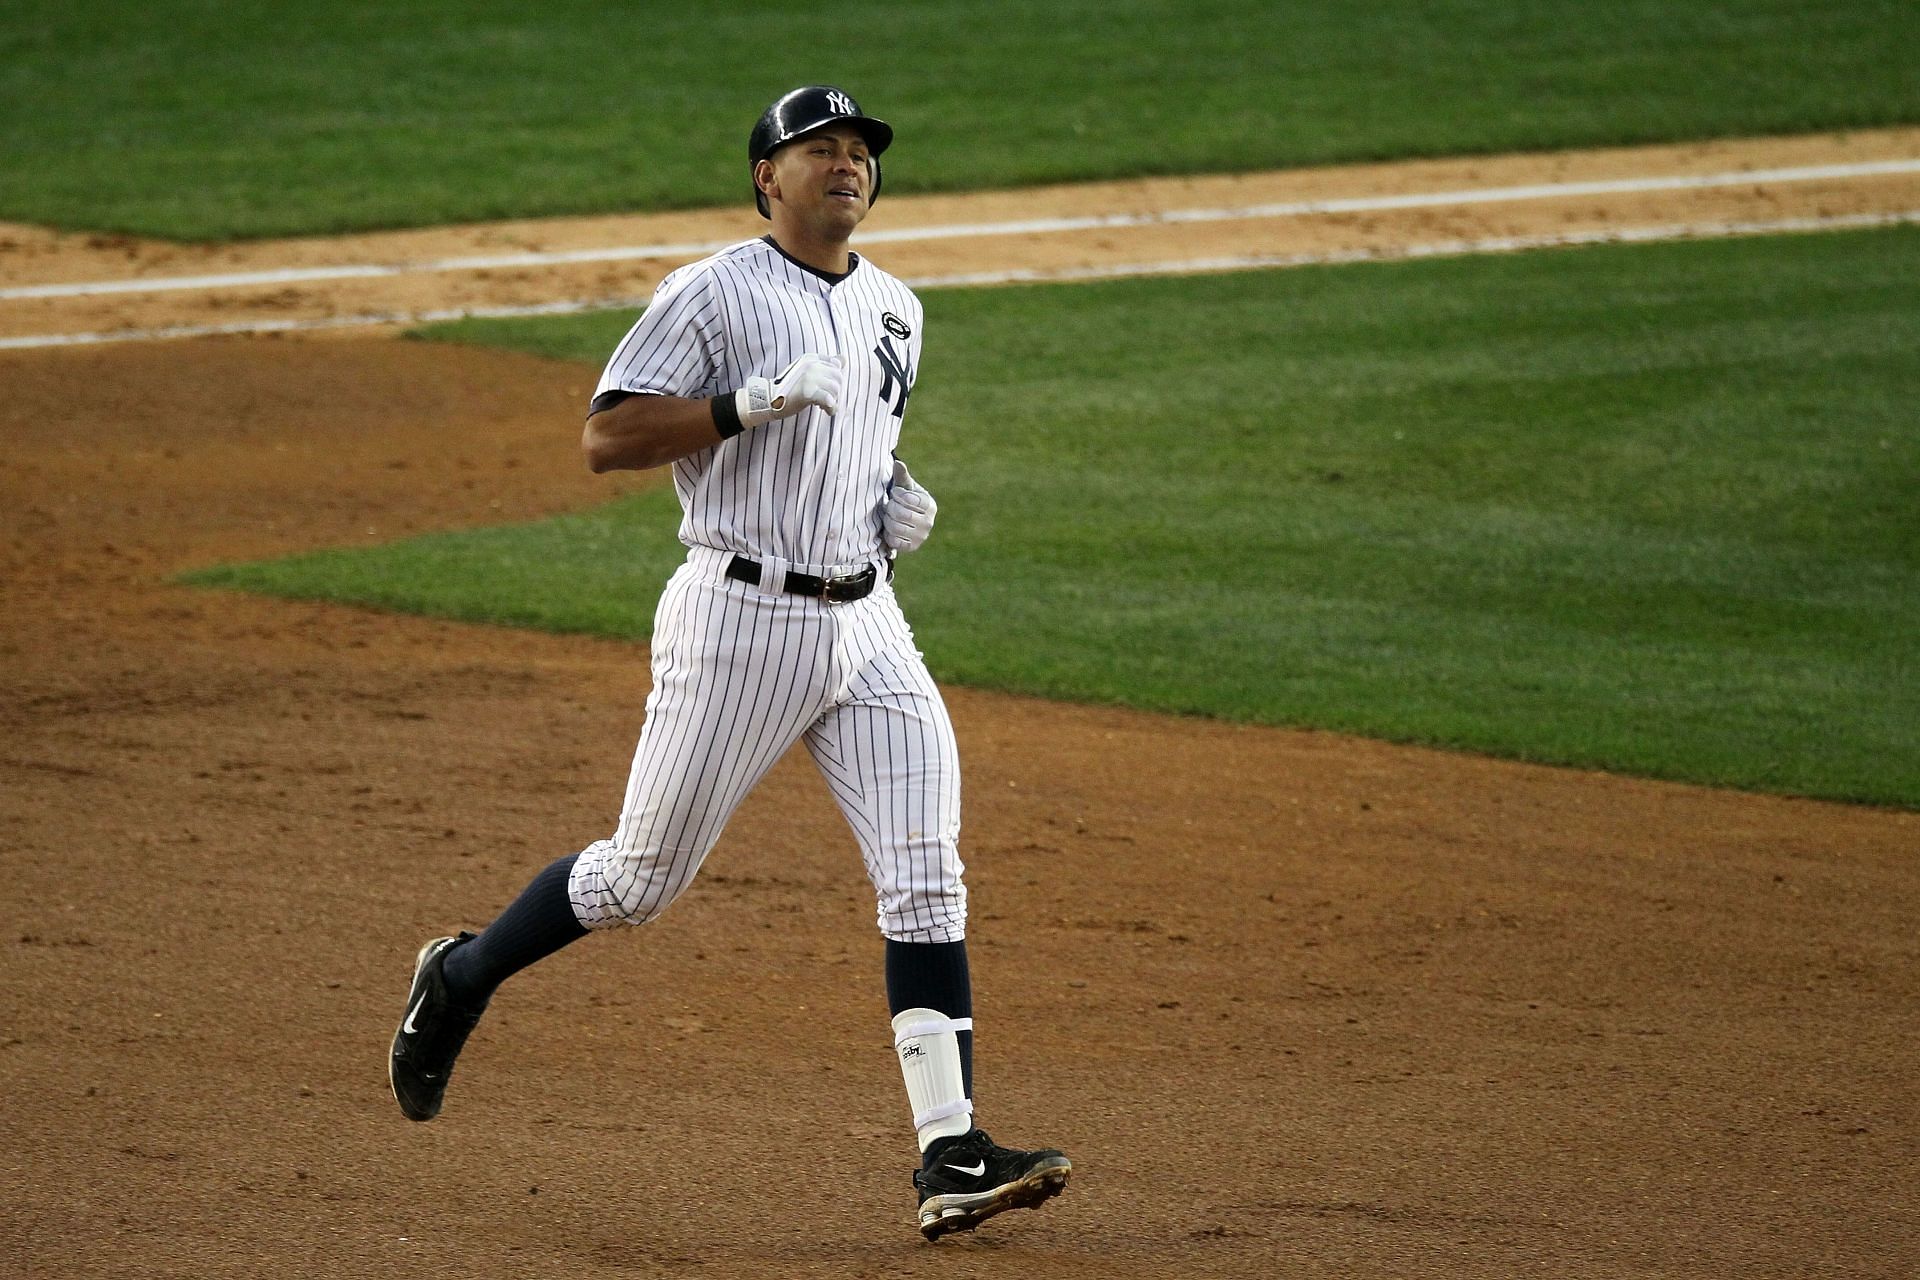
column 638, row 431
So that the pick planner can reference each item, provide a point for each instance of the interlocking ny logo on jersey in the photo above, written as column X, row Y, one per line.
column 892, row 363
column 840, row 104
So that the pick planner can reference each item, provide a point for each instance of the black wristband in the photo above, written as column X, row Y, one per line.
column 726, row 416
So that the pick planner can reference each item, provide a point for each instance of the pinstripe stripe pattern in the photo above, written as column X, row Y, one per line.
column 805, row 489
column 742, row 672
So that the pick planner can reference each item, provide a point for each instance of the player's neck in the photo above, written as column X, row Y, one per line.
column 830, row 257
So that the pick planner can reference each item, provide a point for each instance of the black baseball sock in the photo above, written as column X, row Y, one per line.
column 933, row 975
column 539, row 923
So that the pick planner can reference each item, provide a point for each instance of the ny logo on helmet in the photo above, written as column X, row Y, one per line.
column 840, row 104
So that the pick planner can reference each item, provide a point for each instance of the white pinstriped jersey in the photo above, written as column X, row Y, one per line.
column 806, row 489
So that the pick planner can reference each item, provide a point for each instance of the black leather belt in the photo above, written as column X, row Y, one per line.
column 844, row 589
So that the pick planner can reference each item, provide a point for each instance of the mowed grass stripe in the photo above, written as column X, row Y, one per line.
column 1648, row 509
column 193, row 120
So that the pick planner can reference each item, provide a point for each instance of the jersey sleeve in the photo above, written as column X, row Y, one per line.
column 675, row 348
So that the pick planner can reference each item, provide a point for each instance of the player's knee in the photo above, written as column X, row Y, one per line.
column 920, row 891
column 639, row 904
column 612, row 886
column 931, row 913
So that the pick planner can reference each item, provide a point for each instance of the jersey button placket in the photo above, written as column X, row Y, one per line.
column 835, row 325
column 829, row 481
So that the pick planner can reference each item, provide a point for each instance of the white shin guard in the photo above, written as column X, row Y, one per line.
column 929, row 1049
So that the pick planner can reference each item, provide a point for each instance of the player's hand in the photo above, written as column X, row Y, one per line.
column 812, row 381
column 906, row 517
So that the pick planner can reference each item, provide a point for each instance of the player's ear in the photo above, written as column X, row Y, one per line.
column 763, row 178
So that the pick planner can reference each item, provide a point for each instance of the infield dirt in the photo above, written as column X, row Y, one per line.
column 1295, row 1003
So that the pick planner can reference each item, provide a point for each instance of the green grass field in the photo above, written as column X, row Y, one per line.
column 1651, row 509
column 202, row 120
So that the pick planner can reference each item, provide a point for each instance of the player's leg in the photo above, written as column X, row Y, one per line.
column 719, row 716
column 889, row 755
column 534, row 926
column 734, row 687
column 447, row 997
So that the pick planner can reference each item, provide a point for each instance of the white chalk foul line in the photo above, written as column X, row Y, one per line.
column 1434, row 249
column 363, row 271
column 695, row 249
column 1183, row 266
column 366, row 320
column 1414, row 200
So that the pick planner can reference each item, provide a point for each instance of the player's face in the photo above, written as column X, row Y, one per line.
column 824, row 179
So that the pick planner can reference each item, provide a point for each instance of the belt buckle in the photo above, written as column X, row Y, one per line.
column 848, row 587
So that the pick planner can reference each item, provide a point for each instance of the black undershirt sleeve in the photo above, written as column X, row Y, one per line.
column 726, row 416
column 607, row 399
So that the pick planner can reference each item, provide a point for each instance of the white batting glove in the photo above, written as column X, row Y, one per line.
column 906, row 517
column 812, row 380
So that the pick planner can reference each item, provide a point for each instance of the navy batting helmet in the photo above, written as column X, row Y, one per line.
column 803, row 111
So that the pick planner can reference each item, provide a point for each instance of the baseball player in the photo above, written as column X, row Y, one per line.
column 773, row 377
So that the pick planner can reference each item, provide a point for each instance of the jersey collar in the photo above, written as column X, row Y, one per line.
column 853, row 263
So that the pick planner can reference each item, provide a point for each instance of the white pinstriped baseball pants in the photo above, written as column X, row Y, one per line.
column 739, row 673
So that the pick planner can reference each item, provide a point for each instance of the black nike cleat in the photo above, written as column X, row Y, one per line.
column 967, row 1180
column 430, row 1035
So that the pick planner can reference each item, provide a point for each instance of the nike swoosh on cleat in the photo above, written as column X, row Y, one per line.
column 407, row 1026
column 976, row 1171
